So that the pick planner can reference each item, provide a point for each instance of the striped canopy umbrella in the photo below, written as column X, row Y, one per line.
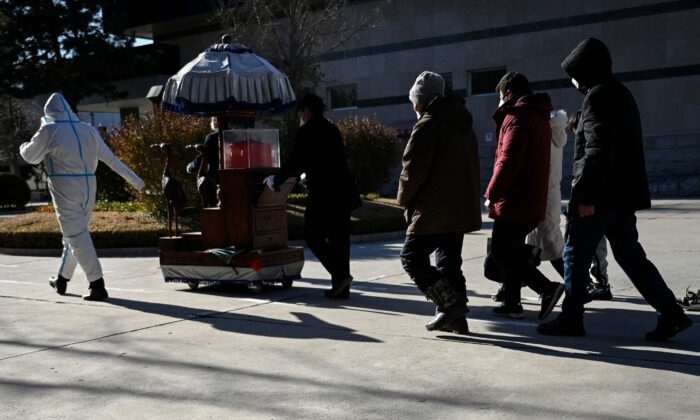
column 228, row 77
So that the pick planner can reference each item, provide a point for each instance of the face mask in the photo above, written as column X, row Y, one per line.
column 417, row 115
column 574, row 82
column 501, row 102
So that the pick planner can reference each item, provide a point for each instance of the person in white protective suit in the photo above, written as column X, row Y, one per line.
column 70, row 150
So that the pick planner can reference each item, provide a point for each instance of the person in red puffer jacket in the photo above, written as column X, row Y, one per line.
column 517, row 193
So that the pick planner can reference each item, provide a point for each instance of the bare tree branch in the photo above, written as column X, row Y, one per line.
column 293, row 34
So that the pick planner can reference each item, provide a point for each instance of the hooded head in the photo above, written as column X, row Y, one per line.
column 589, row 63
column 558, row 119
column 428, row 86
column 57, row 109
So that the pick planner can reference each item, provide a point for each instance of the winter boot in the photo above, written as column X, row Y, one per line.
column 59, row 284
column 451, row 307
column 457, row 326
column 339, row 290
column 97, row 291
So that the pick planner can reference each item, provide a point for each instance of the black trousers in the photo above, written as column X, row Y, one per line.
column 507, row 243
column 327, row 234
column 415, row 258
column 620, row 227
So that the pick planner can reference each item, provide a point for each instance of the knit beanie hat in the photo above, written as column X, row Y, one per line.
column 428, row 85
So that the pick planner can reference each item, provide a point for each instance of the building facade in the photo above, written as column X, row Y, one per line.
column 472, row 43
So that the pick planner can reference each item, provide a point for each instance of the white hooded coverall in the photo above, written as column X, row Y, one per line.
column 70, row 150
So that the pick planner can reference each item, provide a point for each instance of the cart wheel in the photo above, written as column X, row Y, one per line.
column 255, row 288
column 287, row 283
column 193, row 285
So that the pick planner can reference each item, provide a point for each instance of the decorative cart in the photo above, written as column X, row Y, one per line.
column 243, row 241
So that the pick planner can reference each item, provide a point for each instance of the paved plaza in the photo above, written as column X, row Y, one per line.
column 157, row 350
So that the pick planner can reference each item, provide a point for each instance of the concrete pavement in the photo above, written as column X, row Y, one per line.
column 157, row 350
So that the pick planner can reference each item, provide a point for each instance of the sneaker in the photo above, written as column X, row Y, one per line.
column 97, row 291
column 340, row 290
column 691, row 300
column 499, row 295
column 560, row 327
column 512, row 311
column 599, row 292
column 59, row 284
column 550, row 300
column 666, row 329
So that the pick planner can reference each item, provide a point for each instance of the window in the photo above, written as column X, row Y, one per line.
column 343, row 97
column 484, row 81
column 448, row 82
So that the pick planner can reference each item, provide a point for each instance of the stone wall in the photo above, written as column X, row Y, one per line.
column 673, row 164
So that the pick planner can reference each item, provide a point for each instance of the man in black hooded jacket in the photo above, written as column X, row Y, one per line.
column 609, row 186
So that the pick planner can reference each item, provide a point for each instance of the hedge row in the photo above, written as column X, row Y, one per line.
column 126, row 230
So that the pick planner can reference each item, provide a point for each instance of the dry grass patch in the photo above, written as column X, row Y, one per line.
column 109, row 229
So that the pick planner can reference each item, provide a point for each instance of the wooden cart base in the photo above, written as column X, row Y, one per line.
column 254, row 269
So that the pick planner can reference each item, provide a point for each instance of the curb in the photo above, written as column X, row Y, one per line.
column 154, row 251
column 102, row 253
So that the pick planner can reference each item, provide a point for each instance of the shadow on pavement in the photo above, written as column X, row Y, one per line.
column 614, row 336
column 360, row 297
column 308, row 326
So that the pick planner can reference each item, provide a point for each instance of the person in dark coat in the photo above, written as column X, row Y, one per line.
column 439, row 189
column 211, row 148
column 609, row 186
column 207, row 177
column 319, row 152
column 517, row 193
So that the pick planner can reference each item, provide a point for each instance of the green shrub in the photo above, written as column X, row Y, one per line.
column 131, row 143
column 14, row 192
column 371, row 149
column 299, row 199
column 111, row 186
column 106, row 205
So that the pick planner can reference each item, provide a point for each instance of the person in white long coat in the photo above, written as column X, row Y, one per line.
column 548, row 235
column 70, row 150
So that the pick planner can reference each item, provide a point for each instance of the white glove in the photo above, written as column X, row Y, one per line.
column 270, row 182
